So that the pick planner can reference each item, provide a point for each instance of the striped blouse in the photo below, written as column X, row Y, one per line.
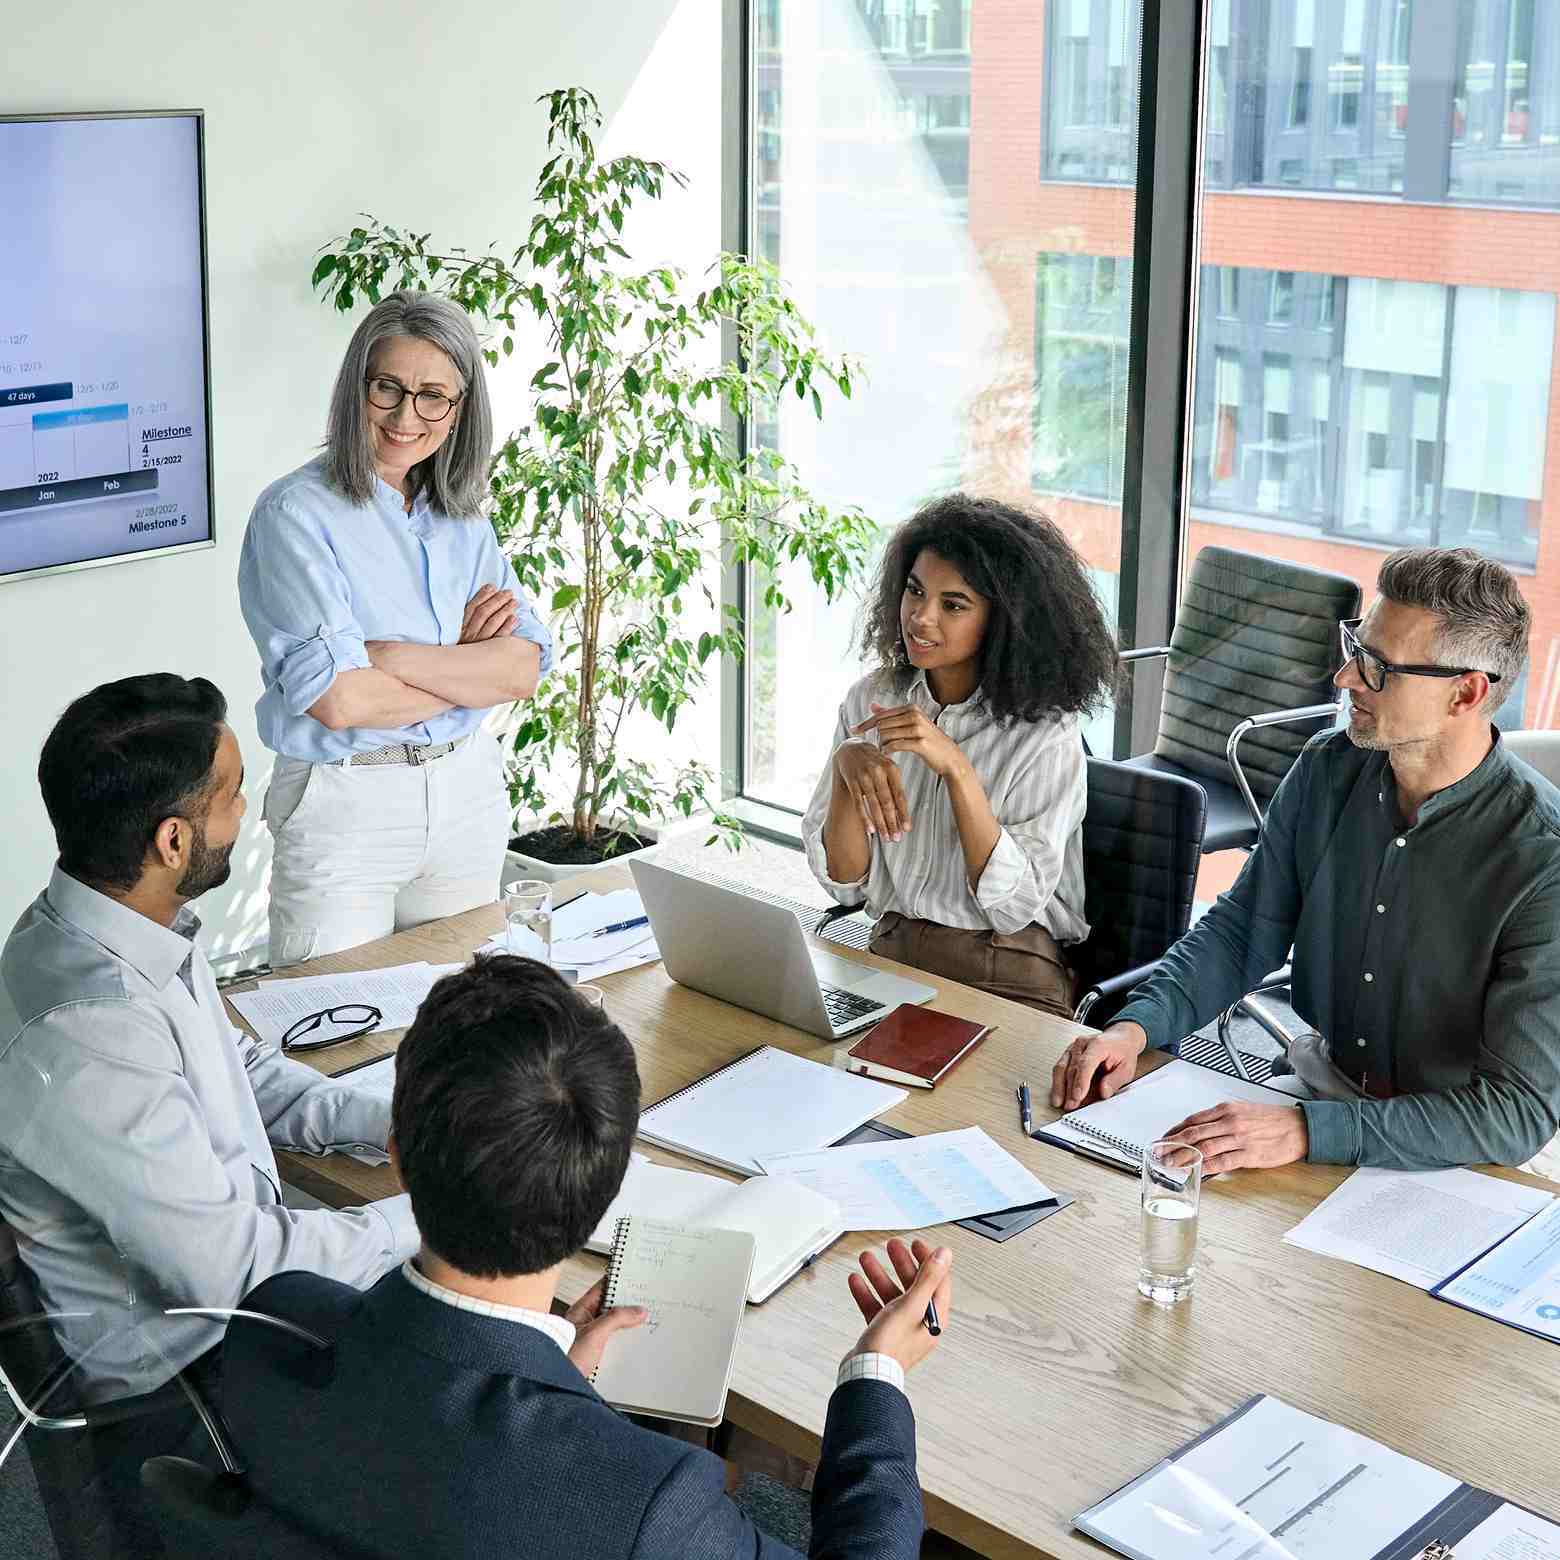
column 1034, row 777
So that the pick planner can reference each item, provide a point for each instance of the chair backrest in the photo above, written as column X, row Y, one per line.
column 201, row 1513
column 1142, row 841
column 1252, row 634
column 29, row 1354
column 1540, row 749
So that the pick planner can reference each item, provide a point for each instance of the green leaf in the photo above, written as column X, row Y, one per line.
column 323, row 269
column 565, row 596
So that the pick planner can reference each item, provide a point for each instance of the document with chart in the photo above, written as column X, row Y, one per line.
column 914, row 1182
column 1518, row 1281
column 1273, row 1483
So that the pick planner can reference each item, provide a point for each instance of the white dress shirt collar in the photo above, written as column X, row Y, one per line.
column 158, row 952
column 560, row 1331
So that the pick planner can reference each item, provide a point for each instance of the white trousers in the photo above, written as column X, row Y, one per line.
column 362, row 851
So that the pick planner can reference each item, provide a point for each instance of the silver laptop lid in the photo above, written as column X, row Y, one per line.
column 729, row 945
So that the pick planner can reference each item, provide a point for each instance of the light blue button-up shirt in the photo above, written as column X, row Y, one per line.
column 319, row 575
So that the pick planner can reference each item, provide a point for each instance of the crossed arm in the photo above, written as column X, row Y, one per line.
column 407, row 682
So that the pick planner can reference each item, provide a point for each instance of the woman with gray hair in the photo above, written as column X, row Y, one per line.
column 388, row 624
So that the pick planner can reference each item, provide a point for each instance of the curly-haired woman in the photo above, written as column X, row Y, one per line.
column 952, row 805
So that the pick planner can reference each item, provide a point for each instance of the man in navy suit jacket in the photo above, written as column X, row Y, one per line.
column 451, row 1413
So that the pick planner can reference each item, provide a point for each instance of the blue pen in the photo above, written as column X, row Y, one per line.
column 622, row 926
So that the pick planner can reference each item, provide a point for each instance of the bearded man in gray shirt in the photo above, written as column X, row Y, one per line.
column 136, row 1123
column 1413, row 866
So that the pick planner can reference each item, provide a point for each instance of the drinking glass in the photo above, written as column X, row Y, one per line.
column 1171, row 1192
column 528, row 919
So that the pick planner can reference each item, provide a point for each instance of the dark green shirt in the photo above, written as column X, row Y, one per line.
column 1428, row 956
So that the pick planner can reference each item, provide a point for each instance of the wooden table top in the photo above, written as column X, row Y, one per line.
column 1054, row 1381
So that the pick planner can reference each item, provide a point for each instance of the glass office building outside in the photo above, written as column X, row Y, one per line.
column 1373, row 359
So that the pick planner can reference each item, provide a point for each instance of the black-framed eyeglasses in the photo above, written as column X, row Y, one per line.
column 431, row 405
column 1373, row 668
column 310, row 1033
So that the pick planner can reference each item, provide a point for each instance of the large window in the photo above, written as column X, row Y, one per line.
column 897, row 163
column 1374, row 373
column 1372, row 357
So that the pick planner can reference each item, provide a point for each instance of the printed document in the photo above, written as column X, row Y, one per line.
column 1519, row 1281
column 1511, row 1534
column 1418, row 1226
column 397, row 992
column 1270, row 1483
column 909, row 1183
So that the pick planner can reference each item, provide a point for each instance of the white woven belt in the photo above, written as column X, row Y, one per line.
column 407, row 753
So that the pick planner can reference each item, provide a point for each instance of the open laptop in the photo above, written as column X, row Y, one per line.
column 755, row 956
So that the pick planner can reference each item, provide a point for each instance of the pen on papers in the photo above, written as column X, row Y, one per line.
column 1026, row 1113
column 621, row 926
column 931, row 1321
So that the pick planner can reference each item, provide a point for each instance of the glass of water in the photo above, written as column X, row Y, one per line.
column 1172, row 1189
column 528, row 919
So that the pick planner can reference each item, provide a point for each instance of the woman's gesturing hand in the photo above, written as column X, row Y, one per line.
column 908, row 729
column 489, row 614
column 872, row 779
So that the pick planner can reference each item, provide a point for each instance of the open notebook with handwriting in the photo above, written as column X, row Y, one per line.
column 694, row 1284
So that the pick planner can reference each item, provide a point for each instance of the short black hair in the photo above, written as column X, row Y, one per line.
column 120, row 760
column 515, row 1106
column 1047, row 649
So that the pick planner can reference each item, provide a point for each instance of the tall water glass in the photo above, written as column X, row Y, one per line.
column 528, row 919
column 1171, row 1192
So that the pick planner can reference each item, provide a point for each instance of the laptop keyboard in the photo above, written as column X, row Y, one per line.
column 843, row 1006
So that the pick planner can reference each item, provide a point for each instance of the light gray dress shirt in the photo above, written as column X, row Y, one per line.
column 1035, row 778
column 136, row 1125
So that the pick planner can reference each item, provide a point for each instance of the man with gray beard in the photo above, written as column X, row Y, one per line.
column 1413, row 867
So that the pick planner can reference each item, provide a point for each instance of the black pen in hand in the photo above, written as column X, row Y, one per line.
column 931, row 1321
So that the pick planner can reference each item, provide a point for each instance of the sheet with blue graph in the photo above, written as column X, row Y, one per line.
column 1518, row 1281
column 913, row 1182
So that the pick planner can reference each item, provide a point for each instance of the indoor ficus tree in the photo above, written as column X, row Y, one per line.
column 617, row 500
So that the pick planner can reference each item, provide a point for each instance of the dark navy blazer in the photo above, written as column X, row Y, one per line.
column 436, row 1432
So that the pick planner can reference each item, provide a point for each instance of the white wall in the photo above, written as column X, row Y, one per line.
column 421, row 114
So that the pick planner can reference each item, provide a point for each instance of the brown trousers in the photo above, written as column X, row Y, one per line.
column 1025, row 966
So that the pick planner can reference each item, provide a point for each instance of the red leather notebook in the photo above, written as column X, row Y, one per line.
column 913, row 1046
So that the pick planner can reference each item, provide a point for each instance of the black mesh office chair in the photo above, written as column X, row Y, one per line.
column 202, row 1512
column 41, row 1382
column 1142, row 840
column 1249, row 681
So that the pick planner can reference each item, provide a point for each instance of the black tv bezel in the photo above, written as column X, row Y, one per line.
column 210, row 540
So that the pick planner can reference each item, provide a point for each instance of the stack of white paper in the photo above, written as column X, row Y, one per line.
column 1418, row 1226
column 580, row 942
column 397, row 992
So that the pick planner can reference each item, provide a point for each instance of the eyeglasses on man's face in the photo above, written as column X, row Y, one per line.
column 1374, row 668
column 431, row 405
column 330, row 1026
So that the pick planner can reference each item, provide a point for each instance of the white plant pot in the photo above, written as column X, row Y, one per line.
column 518, row 865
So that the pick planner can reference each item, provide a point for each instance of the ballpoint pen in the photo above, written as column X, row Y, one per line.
column 621, row 926
column 1026, row 1113
column 933, row 1323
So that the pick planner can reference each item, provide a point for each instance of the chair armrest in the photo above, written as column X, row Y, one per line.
column 1146, row 653
column 1266, row 718
column 1112, row 986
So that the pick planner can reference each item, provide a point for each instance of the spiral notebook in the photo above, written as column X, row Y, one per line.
column 765, row 1103
column 1118, row 1129
column 694, row 1284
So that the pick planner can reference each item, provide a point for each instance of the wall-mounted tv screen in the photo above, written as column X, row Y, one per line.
column 105, row 399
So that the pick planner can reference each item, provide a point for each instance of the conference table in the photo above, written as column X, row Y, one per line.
column 1054, row 1382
